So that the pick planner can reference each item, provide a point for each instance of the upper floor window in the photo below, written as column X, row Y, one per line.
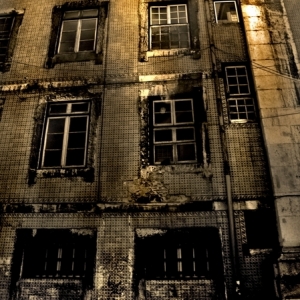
column 169, row 27
column 174, row 138
column 78, row 31
column 66, row 131
column 226, row 11
column 5, row 31
column 240, row 101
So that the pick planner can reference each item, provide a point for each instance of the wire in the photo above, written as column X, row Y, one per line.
column 259, row 66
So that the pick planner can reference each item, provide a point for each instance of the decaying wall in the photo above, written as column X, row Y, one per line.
column 120, row 193
column 272, row 29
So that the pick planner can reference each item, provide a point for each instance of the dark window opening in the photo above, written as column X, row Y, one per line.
column 55, row 253
column 179, row 254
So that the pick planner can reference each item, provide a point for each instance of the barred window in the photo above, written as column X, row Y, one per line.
column 186, row 253
column 66, row 131
column 57, row 253
column 169, row 27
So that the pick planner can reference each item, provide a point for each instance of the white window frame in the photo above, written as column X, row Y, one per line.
column 168, row 25
column 222, row 21
column 78, row 32
column 67, row 117
column 238, row 83
column 173, row 126
column 247, row 109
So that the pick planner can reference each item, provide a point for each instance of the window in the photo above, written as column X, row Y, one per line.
column 186, row 253
column 169, row 27
column 240, row 103
column 5, row 31
column 65, row 142
column 174, row 138
column 55, row 253
column 226, row 11
column 78, row 31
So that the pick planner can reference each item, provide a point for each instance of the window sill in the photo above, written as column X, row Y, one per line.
column 171, row 52
column 74, row 57
column 87, row 174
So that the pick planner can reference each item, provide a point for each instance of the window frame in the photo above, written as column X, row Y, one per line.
column 241, row 102
column 168, row 24
column 226, row 21
column 173, row 126
column 67, row 116
column 78, row 31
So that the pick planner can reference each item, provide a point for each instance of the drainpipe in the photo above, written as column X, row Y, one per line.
column 232, row 237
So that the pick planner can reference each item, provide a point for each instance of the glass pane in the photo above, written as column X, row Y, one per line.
column 52, row 158
column 78, row 124
column 183, row 105
column 186, row 152
column 162, row 135
column 86, row 46
column 233, row 90
column 80, row 107
column 241, row 71
column 70, row 25
column 75, row 157
column 164, row 118
column 163, row 154
column 162, row 113
column 90, row 13
column 185, row 134
column 66, row 47
column 244, row 89
column 58, row 109
column 54, row 141
column 87, row 35
column 68, row 36
column 56, row 125
column 76, row 140
column 184, row 117
column 71, row 14
column 88, row 24
column 243, row 80
column 232, row 80
column 230, row 71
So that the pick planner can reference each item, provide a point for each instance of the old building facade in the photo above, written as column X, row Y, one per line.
column 133, row 163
